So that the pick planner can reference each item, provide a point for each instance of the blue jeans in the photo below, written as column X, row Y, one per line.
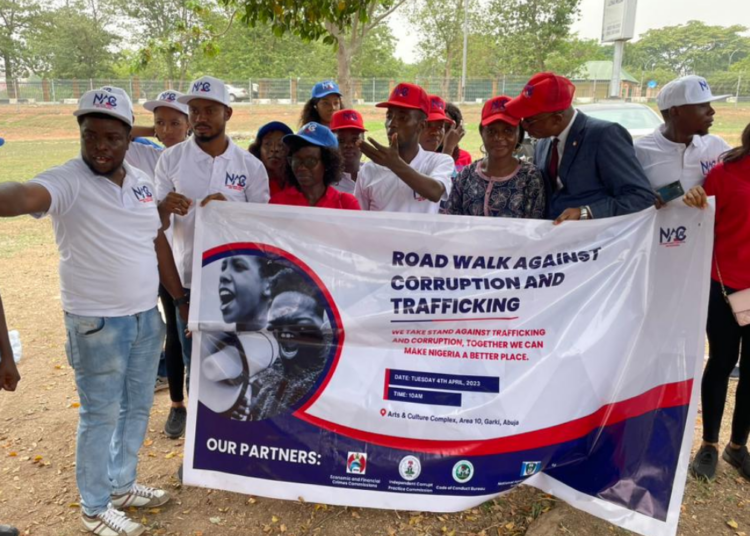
column 115, row 361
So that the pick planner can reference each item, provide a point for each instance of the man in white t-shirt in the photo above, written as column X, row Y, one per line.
column 403, row 177
column 682, row 150
column 112, row 256
column 208, row 166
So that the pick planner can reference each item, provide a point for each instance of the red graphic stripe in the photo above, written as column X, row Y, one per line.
column 387, row 378
column 662, row 397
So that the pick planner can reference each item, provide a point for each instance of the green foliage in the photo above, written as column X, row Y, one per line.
column 376, row 57
column 694, row 47
column 573, row 53
column 17, row 21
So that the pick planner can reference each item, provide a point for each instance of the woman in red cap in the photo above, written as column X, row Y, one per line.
column 499, row 184
column 437, row 125
column 313, row 166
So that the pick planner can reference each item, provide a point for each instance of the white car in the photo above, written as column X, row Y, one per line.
column 237, row 93
column 638, row 119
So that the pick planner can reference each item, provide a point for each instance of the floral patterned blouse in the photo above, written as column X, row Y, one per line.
column 519, row 195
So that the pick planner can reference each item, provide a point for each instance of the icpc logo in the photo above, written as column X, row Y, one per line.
column 202, row 87
column 672, row 236
column 104, row 100
column 409, row 468
column 356, row 463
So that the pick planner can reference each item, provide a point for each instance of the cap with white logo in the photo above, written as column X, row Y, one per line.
column 209, row 88
column 167, row 99
column 118, row 91
column 686, row 90
column 101, row 101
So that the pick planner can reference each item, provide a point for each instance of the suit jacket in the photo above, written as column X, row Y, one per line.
column 599, row 169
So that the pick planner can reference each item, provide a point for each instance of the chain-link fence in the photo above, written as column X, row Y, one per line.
column 363, row 90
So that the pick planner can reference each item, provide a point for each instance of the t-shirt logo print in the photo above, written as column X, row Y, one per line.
column 143, row 194
column 102, row 100
column 235, row 181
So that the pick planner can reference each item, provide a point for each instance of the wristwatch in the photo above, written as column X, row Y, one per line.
column 183, row 300
column 585, row 213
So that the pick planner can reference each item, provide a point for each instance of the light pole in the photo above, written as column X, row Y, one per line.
column 731, row 55
column 466, row 46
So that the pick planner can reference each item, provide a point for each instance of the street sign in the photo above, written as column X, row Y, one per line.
column 619, row 20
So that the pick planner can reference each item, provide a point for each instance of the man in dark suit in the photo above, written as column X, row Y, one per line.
column 589, row 166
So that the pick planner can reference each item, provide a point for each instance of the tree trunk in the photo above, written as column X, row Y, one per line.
column 344, row 74
column 10, row 84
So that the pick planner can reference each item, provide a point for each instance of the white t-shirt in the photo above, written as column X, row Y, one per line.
column 105, row 235
column 186, row 169
column 144, row 157
column 665, row 161
column 379, row 188
column 346, row 184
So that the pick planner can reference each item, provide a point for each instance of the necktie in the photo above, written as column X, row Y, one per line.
column 554, row 161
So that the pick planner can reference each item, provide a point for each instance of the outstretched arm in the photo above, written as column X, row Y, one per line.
column 17, row 199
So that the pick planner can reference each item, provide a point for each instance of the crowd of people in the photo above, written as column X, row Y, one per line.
column 124, row 221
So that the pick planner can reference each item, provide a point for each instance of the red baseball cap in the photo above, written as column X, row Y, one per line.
column 545, row 92
column 408, row 96
column 437, row 110
column 494, row 110
column 347, row 119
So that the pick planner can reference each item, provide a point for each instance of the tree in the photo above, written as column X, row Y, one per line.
column 342, row 23
column 377, row 56
column 574, row 53
column 174, row 33
column 73, row 42
column 694, row 47
column 441, row 25
column 529, row 31
column 16, row 20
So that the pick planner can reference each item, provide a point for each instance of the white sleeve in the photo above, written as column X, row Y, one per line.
column 63, row 185
column 257, row 189
column 360, row 191
column 443, row 173
column 162, row 180
column 143, row 157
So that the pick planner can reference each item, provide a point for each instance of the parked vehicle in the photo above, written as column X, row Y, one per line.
column 638, row 119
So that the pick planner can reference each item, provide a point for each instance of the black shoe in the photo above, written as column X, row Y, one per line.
column 738, row 458
column 7, row 530
column 175, row 425
column 705, row 462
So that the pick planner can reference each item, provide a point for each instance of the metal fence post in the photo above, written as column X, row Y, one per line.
column 54, row 96
column 737, row 95
column 130, row 83
column 91, row 84
column 250, row 83
column 503, row 91
column 373, row 90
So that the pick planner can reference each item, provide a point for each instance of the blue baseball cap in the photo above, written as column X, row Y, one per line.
column 314, row 134
column 2, row 142
column 327, row 87
column 273, row 126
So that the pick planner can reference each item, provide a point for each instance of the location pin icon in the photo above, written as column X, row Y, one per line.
column 383, row 412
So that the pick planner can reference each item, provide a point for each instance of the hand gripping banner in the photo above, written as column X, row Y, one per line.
column 431, row 362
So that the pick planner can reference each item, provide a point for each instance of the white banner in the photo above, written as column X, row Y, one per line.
column 430, row 362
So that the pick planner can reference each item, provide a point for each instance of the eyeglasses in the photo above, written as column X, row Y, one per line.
column 309, row 162
column 526, row 122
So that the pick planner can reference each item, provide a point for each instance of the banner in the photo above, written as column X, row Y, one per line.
column 428, row 362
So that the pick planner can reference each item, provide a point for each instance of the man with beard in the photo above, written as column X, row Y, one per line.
column 682, row 150
column 112, row 256
column 208, row 166
column 589, row 165
column 401, row 176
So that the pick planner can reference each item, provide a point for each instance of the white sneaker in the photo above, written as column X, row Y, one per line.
column 141, row 497
column 112, row 522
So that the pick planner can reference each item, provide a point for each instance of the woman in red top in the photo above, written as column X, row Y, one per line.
column 269, row 149
column 729, row 181
column 313, row 165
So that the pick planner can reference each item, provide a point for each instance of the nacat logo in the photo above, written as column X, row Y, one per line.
column 202, row 87
column 143, row 194
column 528, row 91
column 351, row 116
column 310, row 128
column 328, row 85
column 438, row 104
column 235, row 182
column 401, row 91
column 708, row 165
column 704, row 85
column 672, row 236
column 498, row 105
column 171, row 97
column 103, row 100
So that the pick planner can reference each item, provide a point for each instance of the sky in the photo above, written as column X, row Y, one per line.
column 650, row 14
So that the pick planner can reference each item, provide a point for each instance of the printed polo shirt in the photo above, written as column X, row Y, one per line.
column 105, row 235
column 186, row 169
column 379, row 188
column 665, row 161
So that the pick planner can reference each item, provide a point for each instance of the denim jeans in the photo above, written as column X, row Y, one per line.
column 115, row 361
